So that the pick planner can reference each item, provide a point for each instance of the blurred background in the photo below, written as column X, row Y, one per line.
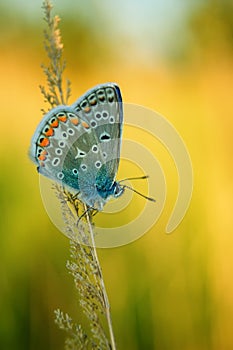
column 166, row 291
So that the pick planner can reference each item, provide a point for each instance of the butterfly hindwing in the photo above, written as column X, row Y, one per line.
column 79, row 145
column 52, row 141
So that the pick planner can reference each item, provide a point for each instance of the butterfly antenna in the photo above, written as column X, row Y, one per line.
column 135, row 178
column 148, row 198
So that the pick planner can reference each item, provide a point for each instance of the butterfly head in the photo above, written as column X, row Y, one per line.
column 102, row 194
column 116, row 190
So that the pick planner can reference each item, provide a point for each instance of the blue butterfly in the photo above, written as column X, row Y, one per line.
column 79, row 145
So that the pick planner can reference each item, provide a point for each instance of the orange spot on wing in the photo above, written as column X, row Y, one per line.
column 55, row 124
column 44, row 142
column 42, row 157
column 85, row 125
column 87, row 109
column 74, row 121
column 63, row 118
column 50, row 132
column 93, row 102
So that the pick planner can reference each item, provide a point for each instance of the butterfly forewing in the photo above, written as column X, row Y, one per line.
column 101, row 107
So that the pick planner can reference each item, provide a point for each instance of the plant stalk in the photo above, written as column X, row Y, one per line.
column 105, row 296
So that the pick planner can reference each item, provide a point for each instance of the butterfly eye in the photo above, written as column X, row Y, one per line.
column 118, row 191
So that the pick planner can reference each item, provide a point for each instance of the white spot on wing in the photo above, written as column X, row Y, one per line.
column 75, row 172
column 55, row 161
column 58, row 151
column 61, row 144
column 60, row 175
column 83, row 167
column 105, row 137
column 98, row 164
column 80, row 154
column 94, row 149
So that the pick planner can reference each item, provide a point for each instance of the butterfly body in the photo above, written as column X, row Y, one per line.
column 79, row 145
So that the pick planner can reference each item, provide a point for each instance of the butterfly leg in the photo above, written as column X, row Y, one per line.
column 75, row 196
column 95, row 212
column 84, row 213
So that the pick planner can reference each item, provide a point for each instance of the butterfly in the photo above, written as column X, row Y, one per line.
column 79, row 145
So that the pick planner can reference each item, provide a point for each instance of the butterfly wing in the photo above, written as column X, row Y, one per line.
column 53, row 140
column 80, row 145
column 102, row 108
